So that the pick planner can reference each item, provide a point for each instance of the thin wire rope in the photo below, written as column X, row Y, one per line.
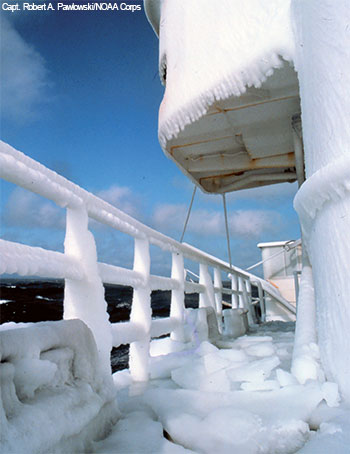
column 188, row 214
column 286, row 248
column 227, row 232
column 265, row 260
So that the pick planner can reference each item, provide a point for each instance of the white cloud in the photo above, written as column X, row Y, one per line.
column 23, row 77
column 253, row 223
column 25, row 209
column 242, row 223
column 169, row 216
column 122, row 198
column 205, row 223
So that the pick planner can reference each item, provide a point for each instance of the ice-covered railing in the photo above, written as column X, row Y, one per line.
column 84, row 275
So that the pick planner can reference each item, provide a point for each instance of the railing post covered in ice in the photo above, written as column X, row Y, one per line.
column 261, row 300
column 84, row 299
column 248, row 295
column 177, row 307
column 241, row 297
column 206, row 299
column 244, row 298
column 218, row 296
column 235, row 296
column 141, row 313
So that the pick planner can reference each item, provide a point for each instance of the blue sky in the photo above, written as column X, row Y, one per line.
column 80, row 94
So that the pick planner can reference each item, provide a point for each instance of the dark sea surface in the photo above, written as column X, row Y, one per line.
column 37, row 301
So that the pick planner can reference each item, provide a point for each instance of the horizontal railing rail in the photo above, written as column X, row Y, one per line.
column 84, row 275
column 23, row 171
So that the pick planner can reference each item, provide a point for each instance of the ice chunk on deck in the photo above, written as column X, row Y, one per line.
column 240, row 422
column 161, row 366
column 253, row 415
column 205, row 348
column 285, row 378
column 205, row 374
column 267, row 385
column 234, row 355
column 255, row 371
column 138, row 433
column 164, row 346
column 247, row 341
column 214, row 362
column 261, row 349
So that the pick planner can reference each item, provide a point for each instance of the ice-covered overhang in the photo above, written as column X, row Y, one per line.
column 230, row 113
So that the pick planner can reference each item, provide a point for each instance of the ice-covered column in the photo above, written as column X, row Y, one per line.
column 242, row 295
column 207, row 310
column 141, row 313
column 84, row 299
column 251, row 315
column 322, row 30
column 177, row 307
column 234, row 286
column 207, row 298
column 244, row 299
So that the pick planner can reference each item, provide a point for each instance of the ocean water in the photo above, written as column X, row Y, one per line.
column 37, row 301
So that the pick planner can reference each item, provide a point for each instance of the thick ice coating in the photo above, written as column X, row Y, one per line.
column 200, row 399
column 54, row 396
column 241, row 53
column 241, row 399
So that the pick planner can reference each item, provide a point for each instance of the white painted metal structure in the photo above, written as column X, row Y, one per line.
column 281, row 260
column 243, row 142
column 84, row 275
column 237, row 142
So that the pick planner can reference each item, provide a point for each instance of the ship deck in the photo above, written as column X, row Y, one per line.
column 227, row 395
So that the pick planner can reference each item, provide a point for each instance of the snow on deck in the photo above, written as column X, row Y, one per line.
column 238, row 398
